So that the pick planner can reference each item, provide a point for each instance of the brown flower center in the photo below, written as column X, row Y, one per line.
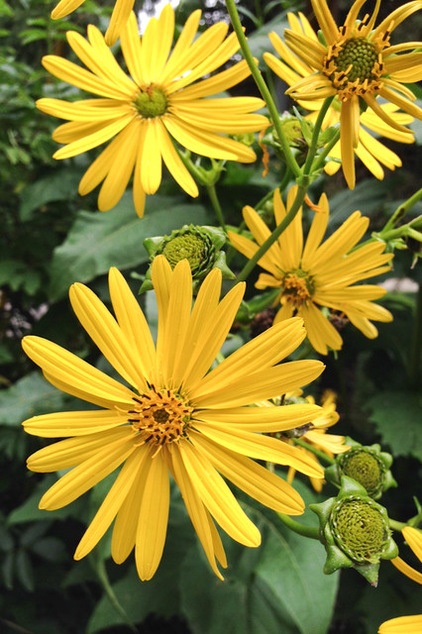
column 160, row 417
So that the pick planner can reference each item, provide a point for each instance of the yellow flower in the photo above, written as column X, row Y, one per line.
column 176, row 418
column 354, row 63
column 369, row 149
column 314, row 276
column 316, row 435
column 407, row 624
column 160, row 102
column 119, row 17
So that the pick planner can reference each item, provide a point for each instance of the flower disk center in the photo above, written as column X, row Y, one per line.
column 160, row 417
column 354, row 67
column 297, row 288
column 151, row 102
column 360, row 530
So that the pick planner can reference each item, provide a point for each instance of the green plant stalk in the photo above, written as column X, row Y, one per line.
column 105, row 582
column 400, row 212
column 263, row 88
column 307, row 169
column 306, row 531
column 212, row 195
column 248, row 268
column 395, row 525
column 416, row 347
column 317, row 452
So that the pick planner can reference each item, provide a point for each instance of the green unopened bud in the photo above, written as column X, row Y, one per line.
column 201, row 246
column 369, row 466
column 355, row 531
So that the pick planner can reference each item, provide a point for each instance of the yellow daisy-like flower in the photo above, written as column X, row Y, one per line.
column 407, row 624
column 374, row 154
column 121, row 12
column 176, row 419
column 316, row 435
column 356, row 64
column 315, row 276
column 160, row 102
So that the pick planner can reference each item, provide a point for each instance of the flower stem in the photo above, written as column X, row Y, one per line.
column 262, row 87
column 401, row 211
column 247, row 269
column 307, row 169
column 212, row 195
column 107, row 587
column 317, row 452
column 306, row 531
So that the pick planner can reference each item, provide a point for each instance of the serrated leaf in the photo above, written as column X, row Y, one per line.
column 30, row 396
column 98, row 241
column 397, row 416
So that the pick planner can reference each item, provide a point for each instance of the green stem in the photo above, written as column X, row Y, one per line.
column 395, row 525
column 317, row 452
column 105, row 582
column 416, row 347
column 315, row 136
column 248, row 268
column 262, row 87
column 306, row 531
column 401, row 211
column 212, row 194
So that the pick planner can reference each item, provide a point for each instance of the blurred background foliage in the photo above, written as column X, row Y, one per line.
column 51, row 237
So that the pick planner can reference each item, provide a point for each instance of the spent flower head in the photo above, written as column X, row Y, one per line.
column 355, row 531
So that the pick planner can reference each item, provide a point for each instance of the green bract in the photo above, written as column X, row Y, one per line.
column 201, row 246
column 355, row 531
column 369, row 466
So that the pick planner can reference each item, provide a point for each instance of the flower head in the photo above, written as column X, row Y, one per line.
column 407, row 624
column 355, row 63
column 160, row 103
column 355, row 531
column 315, row 277
column 121, row 12
column 176, row 417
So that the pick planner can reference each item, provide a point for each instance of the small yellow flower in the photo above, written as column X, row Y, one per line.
column 315, row 277
column 121, row 12
column 407, row 624
column 160, row 103
column 177, row 418
column 355, row 63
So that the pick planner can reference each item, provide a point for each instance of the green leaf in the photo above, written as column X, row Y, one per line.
column 270, row 589
column 100, row 240
column 397, row 417
column 29, row 396
column 61, row 185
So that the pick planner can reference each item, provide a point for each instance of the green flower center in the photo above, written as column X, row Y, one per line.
column 354, row 67
column 151, row 102
column 365, row 468
column 359, row 529
column 188, row 246
column 297, row 288
column 160, row 417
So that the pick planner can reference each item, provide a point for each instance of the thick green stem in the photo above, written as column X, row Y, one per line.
column 306, row 531
column 315, row 136
column 248, row 268
column 262, row 87
column 400, row 212
column 416, row 347
column 395, row 525
column 212, row 194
